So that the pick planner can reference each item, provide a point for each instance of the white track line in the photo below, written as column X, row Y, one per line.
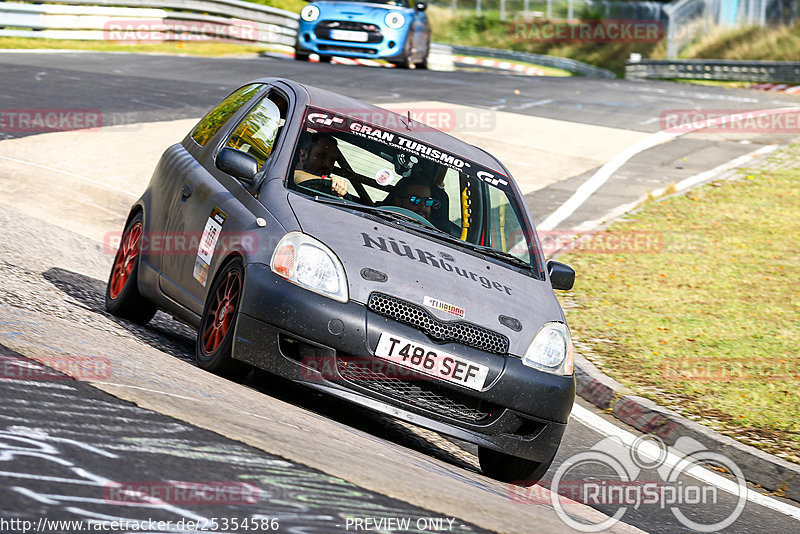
column 597, row 423
column 719, row 169
column 679, row 187
column 590, row 186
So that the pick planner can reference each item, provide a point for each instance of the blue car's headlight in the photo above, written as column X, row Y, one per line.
column 309, row 13
column 394, row 20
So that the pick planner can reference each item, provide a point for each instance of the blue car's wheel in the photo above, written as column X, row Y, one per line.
column 423, row 64
column 405, row 61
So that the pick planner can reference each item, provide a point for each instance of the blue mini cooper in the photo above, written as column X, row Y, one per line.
column 393, row 30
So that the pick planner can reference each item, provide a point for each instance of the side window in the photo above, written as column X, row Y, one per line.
column 257, row 132
column 211, row 123
column 505, row 234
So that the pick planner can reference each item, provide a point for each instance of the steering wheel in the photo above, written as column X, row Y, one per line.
column 319, row 184
column 410, row 214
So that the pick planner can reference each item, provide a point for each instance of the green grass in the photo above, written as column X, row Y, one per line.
column 190, row 48
column 463, row 28
column 708, row 323
column 713, row 83
column 780, row 43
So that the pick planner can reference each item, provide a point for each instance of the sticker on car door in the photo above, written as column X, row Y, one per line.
column 208, row 243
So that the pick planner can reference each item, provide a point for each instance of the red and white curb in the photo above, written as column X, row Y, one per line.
column 777, row 88
column 497, row 64
column 526, row 70
column 354, row 61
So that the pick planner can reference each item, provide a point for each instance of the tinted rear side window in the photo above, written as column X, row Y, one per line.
column 211, row 123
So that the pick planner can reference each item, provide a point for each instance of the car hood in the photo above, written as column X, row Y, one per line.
column 357, row 8
column 429, row 273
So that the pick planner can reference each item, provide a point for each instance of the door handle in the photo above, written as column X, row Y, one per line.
column 186, row 190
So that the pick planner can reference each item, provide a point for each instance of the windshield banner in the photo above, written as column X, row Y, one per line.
column 322, row 120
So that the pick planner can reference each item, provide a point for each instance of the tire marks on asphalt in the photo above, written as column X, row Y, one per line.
column 64, row 446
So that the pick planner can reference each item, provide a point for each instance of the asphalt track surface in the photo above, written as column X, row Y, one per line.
column 111, row 440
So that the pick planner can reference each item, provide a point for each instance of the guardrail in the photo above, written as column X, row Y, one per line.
column 570, row 65
column 148, row 20
column 714, row 69
column 189, row 20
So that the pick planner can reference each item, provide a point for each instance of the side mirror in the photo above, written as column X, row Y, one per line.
column 420, row 6
column 561, row 276
column 238, row 164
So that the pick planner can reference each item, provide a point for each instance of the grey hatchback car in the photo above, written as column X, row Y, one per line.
column 362, row 254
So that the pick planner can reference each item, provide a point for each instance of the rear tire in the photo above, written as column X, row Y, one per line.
column 122, row 291
column 506, row 468
column 215, row 337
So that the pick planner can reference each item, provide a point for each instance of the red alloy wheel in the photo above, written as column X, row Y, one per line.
column 125, row 260
column 222, row 311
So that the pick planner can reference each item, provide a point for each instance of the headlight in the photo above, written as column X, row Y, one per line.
column 304, row 261
column 394, row 20
column 309, row 13
column 551, row 350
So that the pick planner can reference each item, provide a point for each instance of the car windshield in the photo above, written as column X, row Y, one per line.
column 393, row 3
column 378, row 169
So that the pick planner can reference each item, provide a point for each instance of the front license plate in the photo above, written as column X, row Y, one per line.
column 348, row 35
column 431, row 361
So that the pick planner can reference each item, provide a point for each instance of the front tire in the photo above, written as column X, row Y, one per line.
column 506, row 468
column 405, row 61
column 300, row 56
column 122, row 291
column 215, row 337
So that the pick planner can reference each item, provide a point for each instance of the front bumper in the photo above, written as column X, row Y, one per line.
column 327, row 345
column 391, row 46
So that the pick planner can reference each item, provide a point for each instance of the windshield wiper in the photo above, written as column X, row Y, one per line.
column 499, row 254
column 413, row 224
column 376, row 210
column 488, row 251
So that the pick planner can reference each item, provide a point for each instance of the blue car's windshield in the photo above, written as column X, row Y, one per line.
column 393, row 3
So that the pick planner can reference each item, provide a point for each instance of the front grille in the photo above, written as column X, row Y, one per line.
column 423, row 393
column 330, row 48
column 458, row 331
column 323, row 29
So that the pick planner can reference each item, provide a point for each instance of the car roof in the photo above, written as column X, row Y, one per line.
column 331, row 101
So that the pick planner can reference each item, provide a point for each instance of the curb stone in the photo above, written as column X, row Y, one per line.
column 758, row 467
